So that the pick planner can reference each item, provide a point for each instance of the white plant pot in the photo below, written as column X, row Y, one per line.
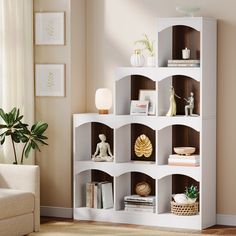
column 137, row 60
column 151, row 61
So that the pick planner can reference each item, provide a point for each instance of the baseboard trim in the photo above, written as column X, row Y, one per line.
column 222, row 219
column 61, row 212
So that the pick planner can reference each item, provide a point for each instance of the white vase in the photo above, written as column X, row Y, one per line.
column 137, row 59
column 151, row 61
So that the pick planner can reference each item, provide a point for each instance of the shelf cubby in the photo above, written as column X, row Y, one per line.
column 126, row 183
column 176, row 136
column 88, row 135
column 175, row 38
column 169, row 185
column 127, row 89
column 85, row 177
column 183, row 86
column 125, row 142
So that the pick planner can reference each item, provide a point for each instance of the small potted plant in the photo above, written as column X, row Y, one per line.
column 191, row 193
column 149, row 46
column 19, row 132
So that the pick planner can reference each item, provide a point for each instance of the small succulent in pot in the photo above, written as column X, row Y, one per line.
column 192, row 193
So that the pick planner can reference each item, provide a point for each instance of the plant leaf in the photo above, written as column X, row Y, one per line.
column 27, row 150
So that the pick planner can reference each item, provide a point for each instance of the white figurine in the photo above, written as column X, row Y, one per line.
column 190, row 105
column 172, row 109
column 103, row 151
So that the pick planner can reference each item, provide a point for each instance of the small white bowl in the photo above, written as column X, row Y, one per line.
column 184, row 150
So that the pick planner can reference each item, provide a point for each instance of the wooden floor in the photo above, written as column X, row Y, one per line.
column 215, row 230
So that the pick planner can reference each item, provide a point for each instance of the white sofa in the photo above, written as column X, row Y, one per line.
column 19, row 199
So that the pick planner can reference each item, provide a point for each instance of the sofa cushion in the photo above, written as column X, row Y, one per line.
column 15, row 202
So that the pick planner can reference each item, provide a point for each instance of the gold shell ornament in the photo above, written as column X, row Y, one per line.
column 143, row 146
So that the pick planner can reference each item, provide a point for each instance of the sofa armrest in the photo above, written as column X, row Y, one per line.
column 23, row 177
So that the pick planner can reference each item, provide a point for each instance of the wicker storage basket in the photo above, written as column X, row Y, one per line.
column 184, row 209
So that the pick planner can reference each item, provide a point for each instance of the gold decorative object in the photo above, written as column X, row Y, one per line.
column 143, row 189
column 143, row 146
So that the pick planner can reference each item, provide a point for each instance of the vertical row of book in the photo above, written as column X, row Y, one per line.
column 99, row 195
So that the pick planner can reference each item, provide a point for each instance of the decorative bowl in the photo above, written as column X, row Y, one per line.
column 184, row 150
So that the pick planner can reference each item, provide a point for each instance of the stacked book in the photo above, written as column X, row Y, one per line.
column 183, row 63
column 99, row 195
column 182, row 160
column 138, row 203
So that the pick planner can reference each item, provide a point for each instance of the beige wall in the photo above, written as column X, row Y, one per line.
column 113, row 26
column 56, row 160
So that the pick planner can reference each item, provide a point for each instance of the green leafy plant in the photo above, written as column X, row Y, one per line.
column 20, row 133
column 191, row 192
column 148, row 45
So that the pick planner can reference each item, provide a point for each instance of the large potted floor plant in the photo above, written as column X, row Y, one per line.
column 19, row 132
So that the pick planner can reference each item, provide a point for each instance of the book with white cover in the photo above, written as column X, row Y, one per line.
column 183, row 157
column 89, row 194
column 107, row 195
column 97, row 199
column 138, row 198
column 173, row 160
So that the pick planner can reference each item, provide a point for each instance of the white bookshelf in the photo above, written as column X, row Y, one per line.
column 121, row 128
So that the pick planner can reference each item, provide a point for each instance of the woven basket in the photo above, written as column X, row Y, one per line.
column 184, row 209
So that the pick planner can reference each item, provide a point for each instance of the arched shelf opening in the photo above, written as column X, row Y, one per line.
column 172, row 184
column 126, row 137
column 126, row 185
column 183, row 86
column 128, row 89
column 88, row 137
column 176, row 136
column 175, row 38
column 84, row 186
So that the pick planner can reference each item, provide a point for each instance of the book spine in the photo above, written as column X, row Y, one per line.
column 183, row 157
column 184, row 164
column 183, row 65
column 89, row 194
column 140, row 209
column 171, row 160
column 184, row 61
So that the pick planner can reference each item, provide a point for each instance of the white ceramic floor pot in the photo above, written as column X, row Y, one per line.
column 137, row 59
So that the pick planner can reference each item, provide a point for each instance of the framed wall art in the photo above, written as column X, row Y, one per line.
column 150, row 96
column 139, row 108
column 49, row 28
column 50, row 80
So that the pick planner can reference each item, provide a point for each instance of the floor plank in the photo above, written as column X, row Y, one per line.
column 215, row 230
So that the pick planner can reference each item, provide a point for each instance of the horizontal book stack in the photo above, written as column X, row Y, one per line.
column 182, row 160
column 99, row 195
column 138, row 203
column 183, row 63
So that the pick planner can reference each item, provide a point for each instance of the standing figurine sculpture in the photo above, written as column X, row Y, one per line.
column 172, row 108
column 103, row 150
column 190, row 105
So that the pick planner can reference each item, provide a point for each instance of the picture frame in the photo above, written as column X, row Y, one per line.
column 139, row 108
column 50, row 80
column 149, row 95
column 49, row 28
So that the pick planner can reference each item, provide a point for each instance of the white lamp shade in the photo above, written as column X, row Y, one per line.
column 103, row 99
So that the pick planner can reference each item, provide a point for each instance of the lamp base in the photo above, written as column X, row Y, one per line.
column 103, row 112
